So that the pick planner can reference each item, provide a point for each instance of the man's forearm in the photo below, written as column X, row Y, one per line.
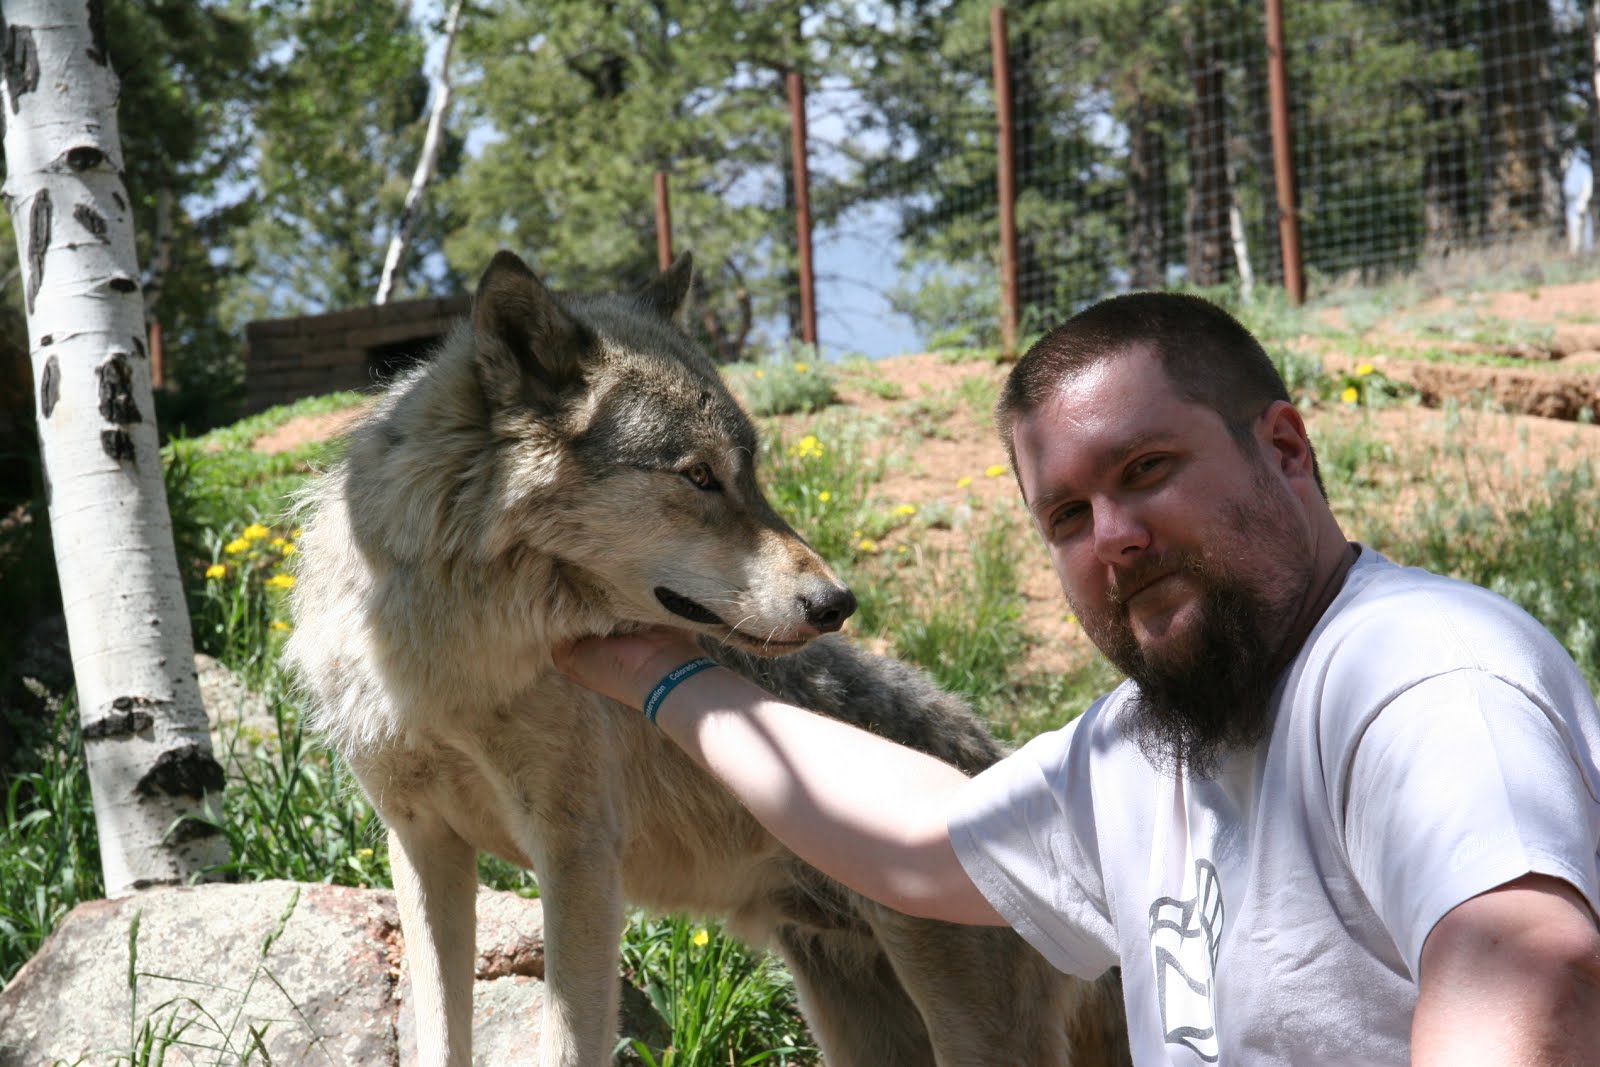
column 867, row 811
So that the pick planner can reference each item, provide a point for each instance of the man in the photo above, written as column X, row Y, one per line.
column 1341, row 811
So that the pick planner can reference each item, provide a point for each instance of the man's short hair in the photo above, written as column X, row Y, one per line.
column 1208, row 356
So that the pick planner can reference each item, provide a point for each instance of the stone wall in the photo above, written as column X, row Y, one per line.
column 287, row 359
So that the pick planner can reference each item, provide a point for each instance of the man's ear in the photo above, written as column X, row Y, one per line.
column 529, row 349
column 668, row 293
column 1283, row 432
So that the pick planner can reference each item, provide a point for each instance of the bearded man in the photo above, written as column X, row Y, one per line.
column 1341, row 811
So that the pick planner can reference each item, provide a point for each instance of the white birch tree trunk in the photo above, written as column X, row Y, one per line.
column 145, row 737
column 425, row 165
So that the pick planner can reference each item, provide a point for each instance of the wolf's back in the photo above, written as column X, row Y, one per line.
column 886, row 696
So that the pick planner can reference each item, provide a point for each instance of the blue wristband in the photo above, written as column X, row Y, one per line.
column 676, row 676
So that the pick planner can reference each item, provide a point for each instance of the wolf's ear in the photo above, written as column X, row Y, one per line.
column 667, row 295
column 528, row 348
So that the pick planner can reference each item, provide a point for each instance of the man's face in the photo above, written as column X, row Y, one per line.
column 1185, row 556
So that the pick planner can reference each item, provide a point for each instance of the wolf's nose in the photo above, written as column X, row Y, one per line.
column 827, row 611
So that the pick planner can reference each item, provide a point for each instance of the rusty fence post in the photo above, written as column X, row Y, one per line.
column 663, row 222
column 1283, row 155
column 802, row 207
column 1007, row 175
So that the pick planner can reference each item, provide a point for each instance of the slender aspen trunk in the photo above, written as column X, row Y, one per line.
column 145, row 738
column 425, row 165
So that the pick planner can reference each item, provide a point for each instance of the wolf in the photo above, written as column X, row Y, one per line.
column 572, row 465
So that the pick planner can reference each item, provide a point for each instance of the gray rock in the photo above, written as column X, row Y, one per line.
column 313, row 973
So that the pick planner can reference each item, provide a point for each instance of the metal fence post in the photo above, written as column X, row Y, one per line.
column 802, row 206
column 1007, row 175
column 1282, row 154
column 663, row 222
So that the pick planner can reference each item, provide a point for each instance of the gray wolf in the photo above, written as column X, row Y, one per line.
column 574, row 465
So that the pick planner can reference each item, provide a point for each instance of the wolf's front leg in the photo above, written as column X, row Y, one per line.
column 436, row 885
column 581, row 888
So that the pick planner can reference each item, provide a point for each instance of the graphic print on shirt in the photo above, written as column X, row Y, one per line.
column 1184, row 935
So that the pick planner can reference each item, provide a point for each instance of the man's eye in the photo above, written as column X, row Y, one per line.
column 1065, row 520
column 1145, row 466
column 700, row 477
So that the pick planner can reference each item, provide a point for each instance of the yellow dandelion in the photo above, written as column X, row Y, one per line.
column 906, row 509
column 994, row 470
column 855, row 533
column 281, row 581
column 255, row 532
column 289, row 549
column 760, row 373
column 963, row 481
column 217, row 570
column 236, row 546
column 295, row 533
column 364, row 853
column 1365, row 369
column 1350, row 395
column 903, row 549
column 802, row 368
column 1072, row 620
column 824, row 496
column 701, row 938
column 867, row 544
column 279, row 542
column 281, row 626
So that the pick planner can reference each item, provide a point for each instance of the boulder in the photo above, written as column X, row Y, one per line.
column 304, row 973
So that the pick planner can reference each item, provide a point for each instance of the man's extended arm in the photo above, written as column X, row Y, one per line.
column 1511, row 976
column 866, row 811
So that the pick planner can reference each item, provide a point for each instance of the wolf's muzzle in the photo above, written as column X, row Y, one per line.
column 825, row 611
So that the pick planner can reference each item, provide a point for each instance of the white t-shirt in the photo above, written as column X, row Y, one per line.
column 1431, row 742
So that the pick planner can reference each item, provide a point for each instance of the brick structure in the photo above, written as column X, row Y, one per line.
column 287, row 359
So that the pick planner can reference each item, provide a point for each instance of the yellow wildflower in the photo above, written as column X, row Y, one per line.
column 906, row 509
column 255, row 532
column 236, row 546
column 364, row 853
column 281, row 581
column 760, row 373
column 216, row 570
column 903, row 549
column 279, row 542
column 807, row 448
column 289, row 549
column 801, row 368
column 867, row 544
column 701, row 938
column 295, row 533
column 280, row 626
column 963, row 481
column 824, row 496
column 1350, row 395
column 994, row 470
column 1365, row 369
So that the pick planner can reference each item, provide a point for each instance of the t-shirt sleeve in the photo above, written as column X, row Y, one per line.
column 1461, row 784
column 1034, row 864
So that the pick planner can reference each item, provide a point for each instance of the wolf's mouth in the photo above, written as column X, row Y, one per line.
column 683, row 607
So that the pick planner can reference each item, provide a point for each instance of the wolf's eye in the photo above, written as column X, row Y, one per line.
column 702, row 478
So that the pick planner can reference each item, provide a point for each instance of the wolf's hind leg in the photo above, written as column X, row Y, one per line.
column 435, row 885
column 852, row 1000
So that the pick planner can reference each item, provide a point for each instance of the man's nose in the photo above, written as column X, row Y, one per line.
column 1120, row 533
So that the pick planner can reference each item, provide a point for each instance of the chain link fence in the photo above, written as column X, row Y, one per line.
column 1420, row 132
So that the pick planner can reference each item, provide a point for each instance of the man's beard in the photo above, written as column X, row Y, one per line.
column 1211, row 693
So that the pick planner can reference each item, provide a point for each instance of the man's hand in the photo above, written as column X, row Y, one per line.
column 626, row 667
column 1511, row 977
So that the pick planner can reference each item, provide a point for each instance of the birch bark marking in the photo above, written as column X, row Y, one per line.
column 145, row 738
